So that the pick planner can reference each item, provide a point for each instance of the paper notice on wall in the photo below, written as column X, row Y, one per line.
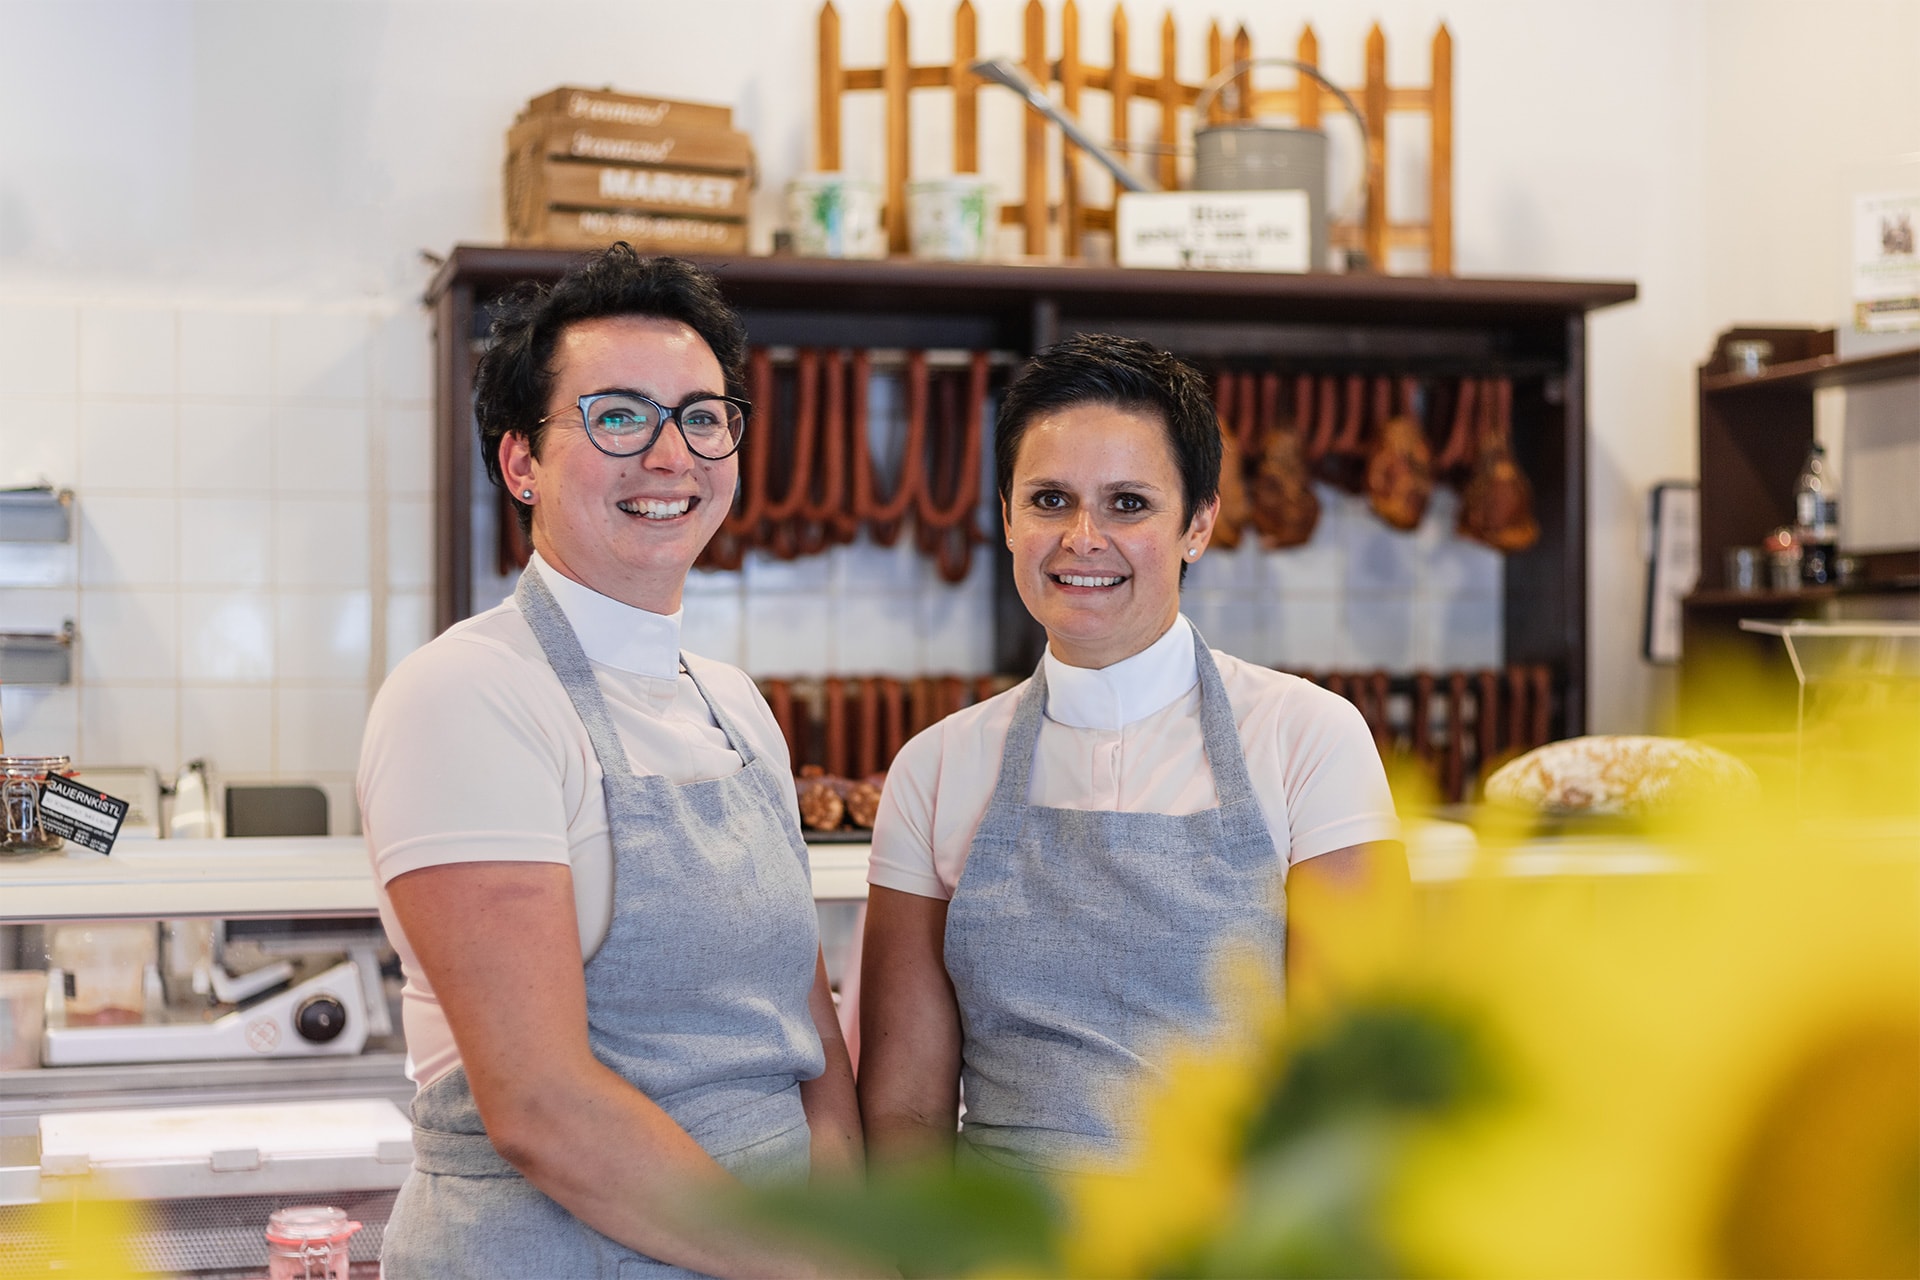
column 1886, row 262
column 1673, row 567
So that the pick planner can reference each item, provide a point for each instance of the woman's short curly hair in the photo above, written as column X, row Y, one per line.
column 514, row 378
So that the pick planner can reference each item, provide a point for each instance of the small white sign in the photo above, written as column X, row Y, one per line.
column 1214, row 230
column 1886, row 262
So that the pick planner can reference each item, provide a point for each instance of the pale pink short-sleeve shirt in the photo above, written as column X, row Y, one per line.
column 1127, row 738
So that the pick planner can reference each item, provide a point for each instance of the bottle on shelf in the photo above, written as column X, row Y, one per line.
column 1816, row 520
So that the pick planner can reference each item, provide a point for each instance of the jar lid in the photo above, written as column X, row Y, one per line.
column 299, row 1223
column 34, row 764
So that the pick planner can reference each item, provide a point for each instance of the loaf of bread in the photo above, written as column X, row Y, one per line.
column 1617, row 774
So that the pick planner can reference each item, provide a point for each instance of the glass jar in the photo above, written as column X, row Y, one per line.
column 21, row 780
column 308, row 1242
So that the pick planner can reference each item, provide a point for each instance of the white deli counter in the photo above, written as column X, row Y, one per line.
column 164, row 1129
column 320, row 892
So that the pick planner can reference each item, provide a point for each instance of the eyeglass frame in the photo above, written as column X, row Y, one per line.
column 666, row 415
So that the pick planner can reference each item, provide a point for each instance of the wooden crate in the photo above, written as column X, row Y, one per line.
column 604, row 106
column 556, row 137
column 646, row 232
column 570, row 184
column 587, row 167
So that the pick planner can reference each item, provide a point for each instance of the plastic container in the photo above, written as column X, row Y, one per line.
column 308, row 1242
column 951, row 219
column 834, row 216
column 106, row 964
column 23, row 1018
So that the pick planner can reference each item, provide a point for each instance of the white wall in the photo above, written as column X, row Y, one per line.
column 212, row 216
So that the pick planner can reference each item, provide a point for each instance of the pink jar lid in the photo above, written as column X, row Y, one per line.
column 308, row 1223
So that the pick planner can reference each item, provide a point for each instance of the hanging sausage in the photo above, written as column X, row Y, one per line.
column 949, row 490
column 816, row 526
column 1235, row 510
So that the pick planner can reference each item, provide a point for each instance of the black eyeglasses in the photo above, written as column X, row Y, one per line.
column 622, row 424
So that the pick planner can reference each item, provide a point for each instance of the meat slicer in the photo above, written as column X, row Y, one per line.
column 311, row 992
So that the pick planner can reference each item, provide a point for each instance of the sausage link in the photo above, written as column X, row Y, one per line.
column 1420, row 739
column 1378, row 691
column 1516, row 708
column 1486, row 718
column 884, row 516
column 855, row 511
column 866, row 758
column 1328, row 397
column 834, row 757
column 794, row 498
column 1457, row 453
column 1455, row 784
column 893, row 709
column 830, row 466
column 1269, row 421
column 953, row 695
column 743, row 517
column 956, row 450
column 780, row 702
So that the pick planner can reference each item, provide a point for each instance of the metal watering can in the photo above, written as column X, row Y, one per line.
column 1241, row 155
column 1247, row 155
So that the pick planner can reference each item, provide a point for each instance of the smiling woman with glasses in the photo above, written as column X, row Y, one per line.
column 587, row 841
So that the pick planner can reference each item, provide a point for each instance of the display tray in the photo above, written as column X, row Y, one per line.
column 844, row 835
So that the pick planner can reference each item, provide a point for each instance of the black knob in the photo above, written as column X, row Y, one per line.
column 320, row 1018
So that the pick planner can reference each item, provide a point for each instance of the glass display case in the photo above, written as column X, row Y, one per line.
column 212, row 1028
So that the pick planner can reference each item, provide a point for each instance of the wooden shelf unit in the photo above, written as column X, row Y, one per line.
column 1754, row 434
column 1533, row 330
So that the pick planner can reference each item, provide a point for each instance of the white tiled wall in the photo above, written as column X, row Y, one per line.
column 253, row 549
column 253, row 483
column 1359, row 595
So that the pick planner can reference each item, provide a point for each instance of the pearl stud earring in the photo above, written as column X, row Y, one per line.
column 1192, row 552
column 526, row 495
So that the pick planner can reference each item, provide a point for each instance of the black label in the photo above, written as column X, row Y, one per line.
column 88, row 818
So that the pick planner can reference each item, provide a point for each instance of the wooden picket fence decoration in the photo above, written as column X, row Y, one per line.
column 1307, row 102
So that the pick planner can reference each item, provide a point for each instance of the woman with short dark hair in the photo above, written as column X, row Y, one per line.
column 587, row 841
column 1056, row 870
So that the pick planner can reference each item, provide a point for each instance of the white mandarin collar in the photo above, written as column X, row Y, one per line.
column 614, row 634
column 1131, row 689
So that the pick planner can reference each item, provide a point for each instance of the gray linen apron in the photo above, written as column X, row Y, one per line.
column 1078, row 941
column 697, row 998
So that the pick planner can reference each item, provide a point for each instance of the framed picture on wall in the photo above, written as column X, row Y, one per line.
column 1673, row 565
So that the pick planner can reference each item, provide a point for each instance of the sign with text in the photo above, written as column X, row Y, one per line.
column 80, row 815
column 1214, row 230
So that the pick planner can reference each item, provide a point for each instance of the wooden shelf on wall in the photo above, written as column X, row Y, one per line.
column 1754, row 433
column 1533, row 330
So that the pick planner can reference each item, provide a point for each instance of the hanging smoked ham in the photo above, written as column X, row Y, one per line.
column 1496, row 506
column 1285, row 507
column 1235, row 511
column 1400, row 468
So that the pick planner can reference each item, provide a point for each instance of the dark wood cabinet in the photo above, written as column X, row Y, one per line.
column 1754, row 435
column 1532, row 331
